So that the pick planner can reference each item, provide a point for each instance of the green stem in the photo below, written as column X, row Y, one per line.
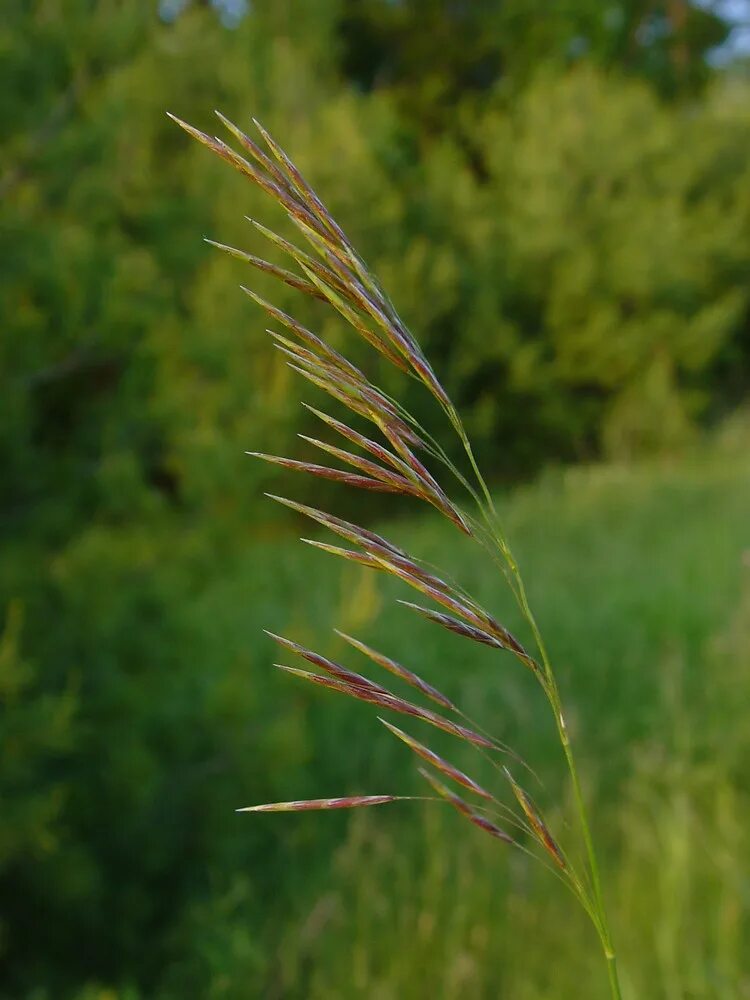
column 597, row 912
column 601, row 923
column 614, row 982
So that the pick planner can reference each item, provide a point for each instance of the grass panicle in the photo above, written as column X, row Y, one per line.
column 332, row 274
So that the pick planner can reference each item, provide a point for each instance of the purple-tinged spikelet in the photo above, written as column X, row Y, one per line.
column 538, row 825
column 465, row 809
column 293, row 280
column 365, row 465
column 438, row 762
column 412, row 679
column 454, row 625
column 324, row 472
column 346, row 529
column 393, row 703
column 305, row 805
column 330, row 666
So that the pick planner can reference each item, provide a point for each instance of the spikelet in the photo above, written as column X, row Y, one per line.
column 538, row 825
column 365, row 465
column 365, row 443
column 412, row 679
column 454, row 625
column 305, row 805
column 465, row 809
column 393, row 703
column 303, row 259
column 281, row 273
column 331, row 667
column 325, row 472
column 437, row 762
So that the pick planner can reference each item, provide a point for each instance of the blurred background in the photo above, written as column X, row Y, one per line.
column 557, row 197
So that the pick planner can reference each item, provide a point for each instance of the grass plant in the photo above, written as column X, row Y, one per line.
column 405, row 458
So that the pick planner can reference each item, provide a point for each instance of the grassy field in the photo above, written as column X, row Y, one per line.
column 639, row 577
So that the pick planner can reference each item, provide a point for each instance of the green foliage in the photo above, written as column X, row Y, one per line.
column 434, row 55
column 37, row 726
column 616, row 261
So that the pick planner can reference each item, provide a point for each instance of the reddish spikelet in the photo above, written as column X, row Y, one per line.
column 454, row 625
column 349, row 554
column 302, row 356
column 412, row 679
column 391, row 330
column 441, row 595
column 290, row 189
column 304, row 805
column 437, row 762
column 355, row 320
column 421, row 366
column 355, row 393
column 396, row 562
column 465, row 809
column 334, row 387
column 383, row 315
column 467, row 609
column 435, row 494
column 407, row 569
column 331, row 667
column 325, row 274
column 352, row 389
column 324, row 472
column 326, row 235
column 303, row 188
column 338, row 360
column 369, row 299
column 346, row 529
column 388, row 560
column 482, row 627
column 344, row 260
column 390, row 556
column 381, row 453
column 393, row 703
column 300, row 284
column 256, row 152
column 538, row 825
column 280, row 193
column 331, row 380
column 297, row 211
column 364, row 465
